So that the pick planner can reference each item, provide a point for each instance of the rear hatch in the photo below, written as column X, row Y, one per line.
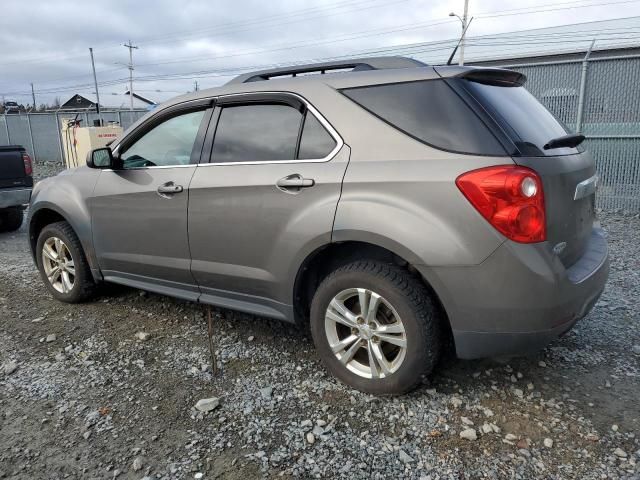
column 12, row 171
column 567, row 173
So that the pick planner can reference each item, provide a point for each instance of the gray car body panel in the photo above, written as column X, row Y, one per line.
column 233, row 239
column 67, row 195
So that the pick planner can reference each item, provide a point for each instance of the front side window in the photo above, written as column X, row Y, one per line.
column 431, row 112
column 256, row 133
column 167, row 144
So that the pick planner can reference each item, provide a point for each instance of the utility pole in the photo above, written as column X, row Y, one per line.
column 195, row 86
column 130, row 47
column 95, row 83
column 33, row 96
column 464, row 31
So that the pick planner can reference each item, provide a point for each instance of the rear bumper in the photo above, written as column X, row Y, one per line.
column 520, row 298
column 13, row 197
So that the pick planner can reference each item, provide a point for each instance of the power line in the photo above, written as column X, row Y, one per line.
column 509, row 13
column 610, row 34
column 367, row 5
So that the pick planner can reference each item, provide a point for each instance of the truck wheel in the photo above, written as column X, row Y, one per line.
column 375, row 327
column 10, row 219
column 63, row 265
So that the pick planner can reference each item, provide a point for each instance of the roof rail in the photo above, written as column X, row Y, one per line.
column 356, row 64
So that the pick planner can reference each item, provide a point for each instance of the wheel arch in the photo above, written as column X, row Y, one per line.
column 322, row 261
column 46, row 214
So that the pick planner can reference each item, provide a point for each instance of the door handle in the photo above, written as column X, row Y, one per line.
column 169, row 188
column 294, row 182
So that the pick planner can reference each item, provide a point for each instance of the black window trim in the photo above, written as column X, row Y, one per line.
column 287, row 98
column 206, row 105
column 486, row 121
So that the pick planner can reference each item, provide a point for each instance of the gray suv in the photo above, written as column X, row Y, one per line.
column 384, row 204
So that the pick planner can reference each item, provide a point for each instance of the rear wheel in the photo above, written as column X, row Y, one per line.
column 62, row 264
column 375, row 327
column 11, row 219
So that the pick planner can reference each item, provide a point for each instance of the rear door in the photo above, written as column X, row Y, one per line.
column 139, row 211
column 264, row 199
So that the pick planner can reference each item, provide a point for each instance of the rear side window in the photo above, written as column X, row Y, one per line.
column 431, row 112
column 529, row 124
column 315, row 141
column 256, row 133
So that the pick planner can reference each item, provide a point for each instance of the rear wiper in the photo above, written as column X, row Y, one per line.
column 570, row 141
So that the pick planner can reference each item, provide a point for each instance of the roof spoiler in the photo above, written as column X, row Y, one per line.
column 356, row 64
column 494, row 76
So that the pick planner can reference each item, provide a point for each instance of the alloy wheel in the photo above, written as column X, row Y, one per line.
column 365, row 333
column 58, row 264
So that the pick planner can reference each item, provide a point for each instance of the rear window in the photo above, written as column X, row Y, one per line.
column 429, row 111
column 527, row 122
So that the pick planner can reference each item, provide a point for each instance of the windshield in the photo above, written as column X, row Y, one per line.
column 529, row 124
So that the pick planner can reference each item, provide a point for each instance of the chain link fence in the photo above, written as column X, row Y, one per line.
column 40, row 133
column 600, row 98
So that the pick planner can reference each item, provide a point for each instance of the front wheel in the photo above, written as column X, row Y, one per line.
column 63, row 265
column 375, row 327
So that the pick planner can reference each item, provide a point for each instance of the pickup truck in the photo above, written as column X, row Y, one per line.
column 16, row 183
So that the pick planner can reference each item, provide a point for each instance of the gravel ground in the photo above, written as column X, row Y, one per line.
column 109, row 389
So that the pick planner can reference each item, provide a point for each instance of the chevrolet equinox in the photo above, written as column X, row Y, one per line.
column 382, row 203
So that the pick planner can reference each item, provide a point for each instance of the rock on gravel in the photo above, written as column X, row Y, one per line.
column 548, row 443
column 137, row 464
column 266, row 392
column 404, row 457
column 636, row 349
column 9, row 368
column 51, row 338
column 469, row 434
column 618, row 452
column 208, row 404
column 311, row 438
column 143, row 336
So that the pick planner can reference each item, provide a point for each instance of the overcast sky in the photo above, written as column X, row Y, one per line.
column 46, row 42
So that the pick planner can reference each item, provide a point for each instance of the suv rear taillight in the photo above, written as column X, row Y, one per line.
column 28, row 166
column 510, row 198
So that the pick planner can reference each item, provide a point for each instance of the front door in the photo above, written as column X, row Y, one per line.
column 266, row 199
column 139, row 211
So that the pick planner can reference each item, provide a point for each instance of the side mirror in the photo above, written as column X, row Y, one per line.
column 100, row 158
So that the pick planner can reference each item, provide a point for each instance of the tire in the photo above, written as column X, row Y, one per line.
column 82, row 285
column 403, row 296
column 11, row 219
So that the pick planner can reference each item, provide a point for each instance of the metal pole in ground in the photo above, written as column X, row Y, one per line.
column 33, row 96
column 59, row 135
column 212, row 348
column 95, row 82
column 6, row 127
column 583, row 87
column 464, row 31
column 130, row 46
column 33, row 146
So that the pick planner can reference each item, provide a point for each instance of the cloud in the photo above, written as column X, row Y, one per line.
column 47, row 42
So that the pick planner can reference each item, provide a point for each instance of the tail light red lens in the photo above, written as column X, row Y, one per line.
column 28, row 166
column 510, row 198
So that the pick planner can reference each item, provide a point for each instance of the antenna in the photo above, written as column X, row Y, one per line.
column 459, row 41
